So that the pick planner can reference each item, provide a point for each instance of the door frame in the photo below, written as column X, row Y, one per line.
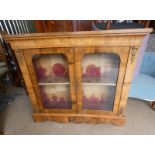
column 69, row 54
column 123, row 53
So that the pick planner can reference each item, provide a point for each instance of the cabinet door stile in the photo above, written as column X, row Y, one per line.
column 72, row 86
column 78, row 79
column 125, row 51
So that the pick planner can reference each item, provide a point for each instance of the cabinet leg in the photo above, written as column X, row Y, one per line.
column 119, row 122
column 153, row 105
column 37, row 118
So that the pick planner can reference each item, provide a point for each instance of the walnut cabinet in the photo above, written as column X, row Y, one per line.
column 78, row 76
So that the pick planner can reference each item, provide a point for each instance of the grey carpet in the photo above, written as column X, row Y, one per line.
column 17, row 119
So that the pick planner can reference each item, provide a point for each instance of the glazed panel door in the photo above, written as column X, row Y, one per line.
column 100, row 72
column 52, row 75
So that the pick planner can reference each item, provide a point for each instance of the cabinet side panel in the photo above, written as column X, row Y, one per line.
column 27, row 79
column 128, row 78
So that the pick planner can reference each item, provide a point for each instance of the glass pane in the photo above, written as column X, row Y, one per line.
column 56, row 96
column 99, row 77
column 100, row 67
column 51, row 68
column 98, row 97
column 52, row 74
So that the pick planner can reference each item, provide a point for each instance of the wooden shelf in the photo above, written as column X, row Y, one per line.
column 98, row 80
column 54, row 80
column 99, row 84
column 84, row 83
column 46, row 83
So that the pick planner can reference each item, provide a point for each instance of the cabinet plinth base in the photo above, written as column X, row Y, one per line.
column 79, row 118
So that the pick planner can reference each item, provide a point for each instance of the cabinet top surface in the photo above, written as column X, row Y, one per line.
column 122, row 32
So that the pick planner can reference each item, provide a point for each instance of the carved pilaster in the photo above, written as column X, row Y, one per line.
column 133, row 53
column 19, row 56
